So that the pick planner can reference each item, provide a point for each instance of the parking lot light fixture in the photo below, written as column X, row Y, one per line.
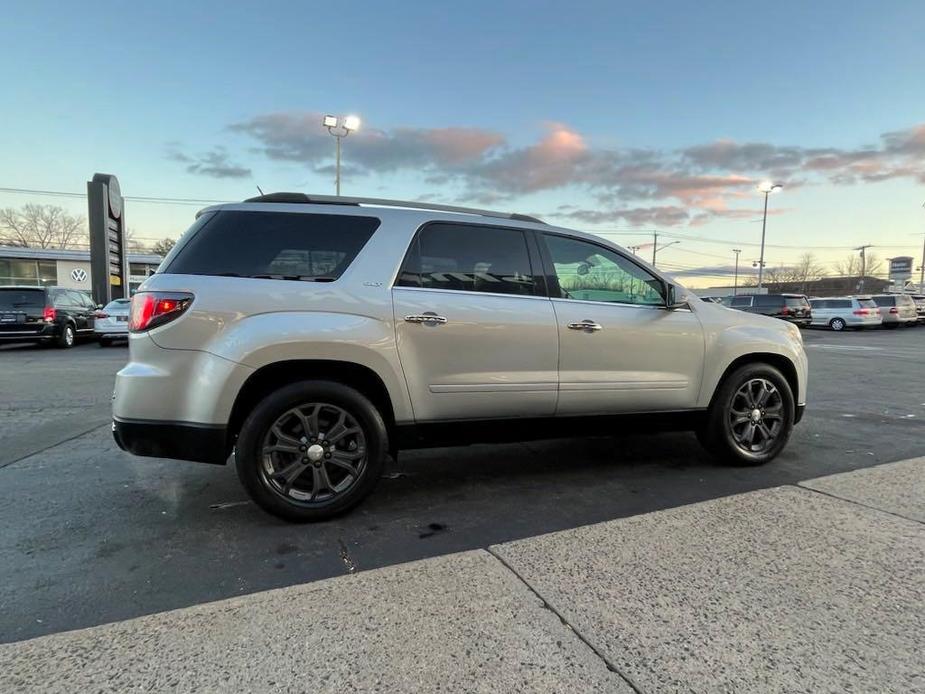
column 351, row 123
column 340, row 127
column 766, row 187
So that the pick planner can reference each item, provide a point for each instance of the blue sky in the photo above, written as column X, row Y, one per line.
column 601, row 115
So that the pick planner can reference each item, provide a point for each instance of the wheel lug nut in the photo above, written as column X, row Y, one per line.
column 327, row 455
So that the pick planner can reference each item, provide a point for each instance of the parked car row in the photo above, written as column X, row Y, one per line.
column 59, row 316
column 837, row 312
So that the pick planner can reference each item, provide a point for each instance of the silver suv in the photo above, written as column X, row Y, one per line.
column 311, row 337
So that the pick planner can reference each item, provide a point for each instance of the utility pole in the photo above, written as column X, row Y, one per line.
column 654, row 246
column 735, row 281
column 863, row 250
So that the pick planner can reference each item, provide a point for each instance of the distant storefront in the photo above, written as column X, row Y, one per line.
column 64, row 268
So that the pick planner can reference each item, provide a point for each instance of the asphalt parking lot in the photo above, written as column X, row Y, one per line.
column 92, row 535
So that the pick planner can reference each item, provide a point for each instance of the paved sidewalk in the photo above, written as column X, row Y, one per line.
column 813, row 588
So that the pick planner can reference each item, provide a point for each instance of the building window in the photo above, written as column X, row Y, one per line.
column 47, row 272
column 30, row 273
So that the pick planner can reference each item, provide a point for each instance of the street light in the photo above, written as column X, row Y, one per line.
column 767, row 188
column 735, row 281
column 340, row 127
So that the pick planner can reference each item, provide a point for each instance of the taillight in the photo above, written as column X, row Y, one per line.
column 100, row 314
column 49, row 314
column 860, row 312
column 785, row 311
column 894, row 310
column 151, row 309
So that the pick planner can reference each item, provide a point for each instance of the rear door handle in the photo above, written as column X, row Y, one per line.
column 589, row 326
column 426, row 318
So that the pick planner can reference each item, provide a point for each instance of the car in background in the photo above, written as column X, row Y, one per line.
column 794, row 308
column 896, row 309
column 45, row 315
column 112, row 322
column 712, row 299
column 919, row 300
column 840, row 312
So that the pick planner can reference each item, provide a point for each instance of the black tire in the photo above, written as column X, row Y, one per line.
column 254, row 466
column 837, row 324
column 67, row 337
column 717, row 434
column 105, row 342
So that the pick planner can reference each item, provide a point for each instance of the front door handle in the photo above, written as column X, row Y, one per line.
column 426, row 318
column 589, row 326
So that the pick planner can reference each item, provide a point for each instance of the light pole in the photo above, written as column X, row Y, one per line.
column 922, row 266
column 735, row 281
column 767, row 188
column 340, row 127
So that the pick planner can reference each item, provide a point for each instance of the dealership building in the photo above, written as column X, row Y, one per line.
column 64, row 267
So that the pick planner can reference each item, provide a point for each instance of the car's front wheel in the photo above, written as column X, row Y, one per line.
column 751, row 417
column 837, row 324
column 311, row 450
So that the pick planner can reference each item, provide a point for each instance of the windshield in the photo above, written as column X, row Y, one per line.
column 118, row 305
column 867, row 303
column 19, row 299
column 796, row 301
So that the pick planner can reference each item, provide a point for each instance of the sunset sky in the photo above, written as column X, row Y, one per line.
column 611, row 117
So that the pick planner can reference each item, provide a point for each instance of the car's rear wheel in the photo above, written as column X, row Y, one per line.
column 837, row 324
column 311, row 450
column 751, row 417
column 67, row 337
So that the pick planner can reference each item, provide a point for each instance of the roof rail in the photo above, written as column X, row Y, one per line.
column 342, row 200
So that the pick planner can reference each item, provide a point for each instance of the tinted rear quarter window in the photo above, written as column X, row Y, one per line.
column 274, row 245
column 471, row 258
column 18, row 299
column 765, row 300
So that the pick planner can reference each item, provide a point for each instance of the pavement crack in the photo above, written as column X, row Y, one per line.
column 547, row 605
column 346, row 558
column 800, row 485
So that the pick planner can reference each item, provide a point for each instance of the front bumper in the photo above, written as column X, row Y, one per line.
column 199, row 443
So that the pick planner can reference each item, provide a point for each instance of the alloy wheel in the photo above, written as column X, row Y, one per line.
column 756, row 415
column 313, row 453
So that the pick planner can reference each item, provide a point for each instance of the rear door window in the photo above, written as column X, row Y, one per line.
column 274, row 245
column 463, row 257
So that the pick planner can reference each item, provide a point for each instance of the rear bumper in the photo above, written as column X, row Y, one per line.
column 199, row 443
column 29, row 334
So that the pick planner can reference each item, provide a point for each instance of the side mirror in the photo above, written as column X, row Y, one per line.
column 674, row 300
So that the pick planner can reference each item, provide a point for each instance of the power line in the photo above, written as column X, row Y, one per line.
column 135, row 198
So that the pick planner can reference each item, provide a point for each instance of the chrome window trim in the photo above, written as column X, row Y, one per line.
column 470, row 293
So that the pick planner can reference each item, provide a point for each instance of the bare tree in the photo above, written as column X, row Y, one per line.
column 807, row 270
column 41, row 226
column 850, row 266
column 163, row 246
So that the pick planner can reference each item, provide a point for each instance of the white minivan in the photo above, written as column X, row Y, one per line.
column 840, row 312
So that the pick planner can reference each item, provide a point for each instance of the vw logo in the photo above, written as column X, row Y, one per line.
column 78, row 274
